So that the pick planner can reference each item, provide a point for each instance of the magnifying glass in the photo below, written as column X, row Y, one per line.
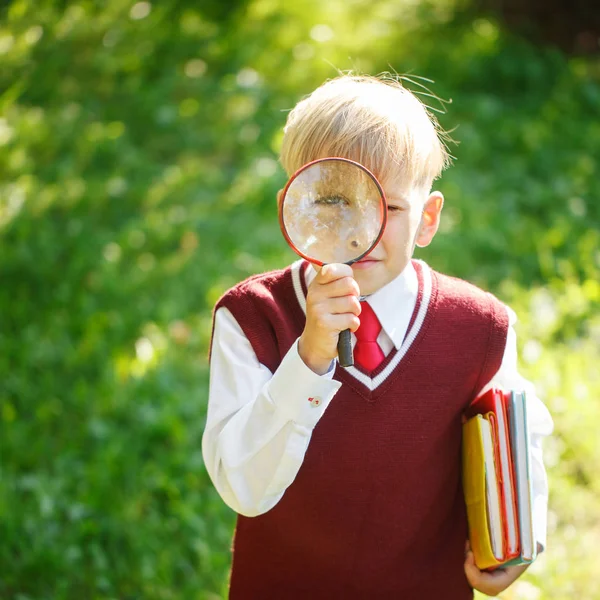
column 333, row 210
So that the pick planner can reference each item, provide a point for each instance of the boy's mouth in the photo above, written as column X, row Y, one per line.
column 365, row 263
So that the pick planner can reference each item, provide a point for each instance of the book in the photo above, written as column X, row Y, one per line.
column 477, row 490
column 521, row 451
column 493, row 405
column 492, row 491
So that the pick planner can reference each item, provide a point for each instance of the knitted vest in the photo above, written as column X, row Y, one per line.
column 376, row 509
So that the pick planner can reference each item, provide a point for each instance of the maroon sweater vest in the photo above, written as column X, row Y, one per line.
column 376, row 510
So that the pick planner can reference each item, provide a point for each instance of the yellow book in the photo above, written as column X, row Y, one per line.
column 474, row 484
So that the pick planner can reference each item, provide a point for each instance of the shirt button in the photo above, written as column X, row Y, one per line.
column 316, row 401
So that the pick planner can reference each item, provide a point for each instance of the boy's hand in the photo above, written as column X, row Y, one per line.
column 332, row 305
column 493, row 582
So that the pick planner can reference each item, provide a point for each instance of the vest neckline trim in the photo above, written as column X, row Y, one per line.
column 380, row 375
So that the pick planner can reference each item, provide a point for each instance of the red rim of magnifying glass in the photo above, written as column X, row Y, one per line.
column 306, row 166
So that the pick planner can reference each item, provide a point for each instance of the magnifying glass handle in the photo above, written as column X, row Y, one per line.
column 345, row 356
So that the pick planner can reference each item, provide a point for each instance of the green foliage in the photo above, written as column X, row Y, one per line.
column 138, row 177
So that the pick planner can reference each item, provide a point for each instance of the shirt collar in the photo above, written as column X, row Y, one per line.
column 393, row 304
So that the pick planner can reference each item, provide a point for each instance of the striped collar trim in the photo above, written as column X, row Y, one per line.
column 298, row 275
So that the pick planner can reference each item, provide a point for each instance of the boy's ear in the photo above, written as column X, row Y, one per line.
column 430, row 219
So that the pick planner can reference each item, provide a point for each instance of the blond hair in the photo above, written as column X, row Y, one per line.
column 372, row 120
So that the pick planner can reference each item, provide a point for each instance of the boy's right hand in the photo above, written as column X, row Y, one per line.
column 332, row 305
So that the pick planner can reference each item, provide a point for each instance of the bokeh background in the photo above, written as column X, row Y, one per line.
column 138, row 174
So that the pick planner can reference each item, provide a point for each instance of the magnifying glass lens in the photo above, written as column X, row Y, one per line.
column 333, row 210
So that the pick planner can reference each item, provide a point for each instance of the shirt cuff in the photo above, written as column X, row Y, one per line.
column 298, row 392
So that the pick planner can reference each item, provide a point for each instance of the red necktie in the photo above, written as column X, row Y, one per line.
column 367, row 352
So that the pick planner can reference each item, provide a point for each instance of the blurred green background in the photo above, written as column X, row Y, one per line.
column 138, row 173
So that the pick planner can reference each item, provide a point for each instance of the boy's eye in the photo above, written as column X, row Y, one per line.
column 394, row 209
column 333, row 200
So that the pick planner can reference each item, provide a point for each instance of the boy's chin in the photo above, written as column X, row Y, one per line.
column 370, row 282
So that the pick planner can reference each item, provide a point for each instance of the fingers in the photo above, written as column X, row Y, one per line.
column 471, row 571
column 343, row 322
column 332, row 305
column 489, row 583
column 328, row 321
column 333, row 271
column 344, row 304
column 321, row 307
column 342, row 287
column 338, row 279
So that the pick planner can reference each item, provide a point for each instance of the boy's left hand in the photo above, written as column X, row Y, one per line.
column 493, row 582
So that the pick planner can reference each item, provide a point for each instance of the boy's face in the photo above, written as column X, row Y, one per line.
column 413, row 218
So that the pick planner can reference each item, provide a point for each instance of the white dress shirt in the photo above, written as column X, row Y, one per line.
column 259, row 423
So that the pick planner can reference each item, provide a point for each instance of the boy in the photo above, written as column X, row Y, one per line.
column 347, row 481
